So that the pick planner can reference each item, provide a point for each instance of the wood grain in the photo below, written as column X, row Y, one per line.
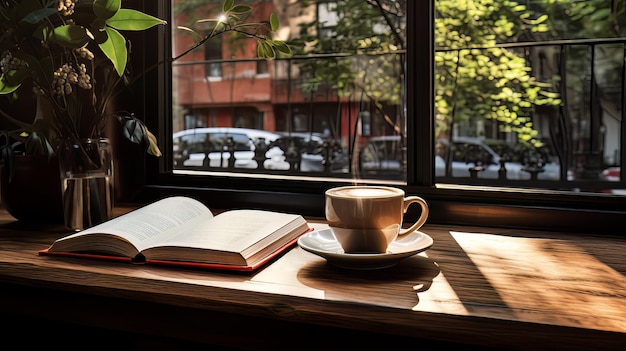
column 482, row 287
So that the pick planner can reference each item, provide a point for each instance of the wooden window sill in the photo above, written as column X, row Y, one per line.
column 477, row 286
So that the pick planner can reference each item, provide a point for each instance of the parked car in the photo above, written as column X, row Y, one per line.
column 212, row 147
column 383, row 155
column 312, row 152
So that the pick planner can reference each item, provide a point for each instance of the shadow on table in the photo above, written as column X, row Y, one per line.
column 345, row 284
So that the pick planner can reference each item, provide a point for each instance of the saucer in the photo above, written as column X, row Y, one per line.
column 323, row 243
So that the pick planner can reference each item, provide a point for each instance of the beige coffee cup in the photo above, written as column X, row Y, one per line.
column 366, row 219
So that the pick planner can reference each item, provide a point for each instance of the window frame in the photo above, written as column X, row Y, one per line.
column 449, row 204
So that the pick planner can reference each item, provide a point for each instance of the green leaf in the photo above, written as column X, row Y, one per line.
column 240, row 9
column 38, row 15
column 115, row 49
column 601, row 15
column 132, row 129
column 540, row 19
column 97, row 27
column 71, row 36
column 105, row 9
column 38, row 144
column 9, row 82
column 228, row 4
column 282, row 47
column 196, row 36
column 136, row 132
column 42, row 68
column 274, row 22
column 265, row 50
column 126, row 19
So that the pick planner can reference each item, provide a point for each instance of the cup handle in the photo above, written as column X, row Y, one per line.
column 424, row 215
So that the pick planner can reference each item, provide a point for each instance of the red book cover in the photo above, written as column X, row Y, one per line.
column 196, row 265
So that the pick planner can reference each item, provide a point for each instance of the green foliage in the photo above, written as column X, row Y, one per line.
column 232, row 19
column 69, row 36
column 589, row 19
column 57, row 49
column 114, row 19
column 358, row 54
column 115, row 49
column 54, row 50
column 106, row 9
column 476, row 77
column 496, row 82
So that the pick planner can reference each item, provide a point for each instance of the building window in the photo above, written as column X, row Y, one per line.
column 327, row 17
column 487, row 122
column 262, row 67
column 213, row 56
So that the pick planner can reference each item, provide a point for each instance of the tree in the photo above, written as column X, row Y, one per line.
column 479, row 76
column 476, row 77
column 358, row 50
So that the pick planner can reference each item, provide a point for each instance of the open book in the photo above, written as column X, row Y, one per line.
column 182, row 231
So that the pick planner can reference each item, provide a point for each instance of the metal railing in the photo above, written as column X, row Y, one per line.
column 575, row 129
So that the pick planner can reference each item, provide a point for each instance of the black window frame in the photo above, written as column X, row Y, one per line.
column 449, row 204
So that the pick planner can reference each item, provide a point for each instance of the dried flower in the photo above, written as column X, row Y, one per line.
column 66, row 7
column 85, row 53
column 8, row 62
column 84, row 81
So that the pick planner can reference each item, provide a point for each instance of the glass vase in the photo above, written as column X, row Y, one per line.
column 86, row 182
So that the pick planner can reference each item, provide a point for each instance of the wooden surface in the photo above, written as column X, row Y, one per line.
column 483, row 287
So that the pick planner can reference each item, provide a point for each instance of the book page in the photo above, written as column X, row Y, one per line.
column 152, row 223
column 232, row 230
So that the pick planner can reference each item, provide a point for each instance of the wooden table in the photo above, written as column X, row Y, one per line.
column 482, row 287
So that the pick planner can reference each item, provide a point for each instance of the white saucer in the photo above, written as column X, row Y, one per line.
column 323, row 243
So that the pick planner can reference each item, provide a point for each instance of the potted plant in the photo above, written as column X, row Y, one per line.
column 68, row 59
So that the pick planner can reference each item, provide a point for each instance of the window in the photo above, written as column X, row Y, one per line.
column 525, row 201
column 331, row 89
column 262, row 67
column 213, row 52
column 327, row 15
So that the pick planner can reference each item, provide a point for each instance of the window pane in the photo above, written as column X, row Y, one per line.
column 375, row 98
column 530, row 93
column 335, row 109
column 527, row 94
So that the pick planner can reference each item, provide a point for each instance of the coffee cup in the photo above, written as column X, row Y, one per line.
column 366, row 219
